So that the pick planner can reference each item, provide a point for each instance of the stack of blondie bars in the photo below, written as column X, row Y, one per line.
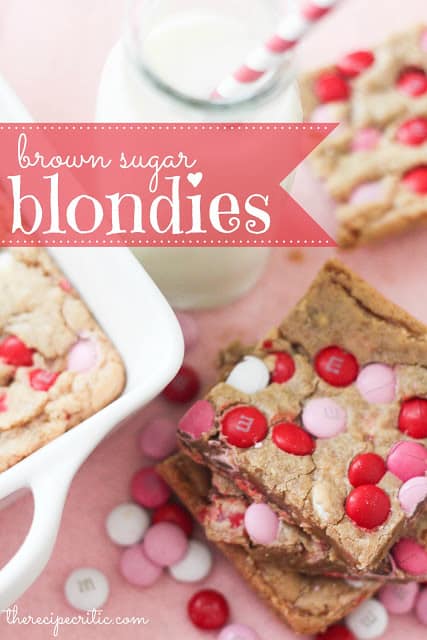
column 307, row 463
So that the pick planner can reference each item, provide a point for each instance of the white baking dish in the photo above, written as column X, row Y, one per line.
column 142, row 326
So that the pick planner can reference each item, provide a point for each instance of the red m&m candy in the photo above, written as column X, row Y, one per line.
column 366, row 468
column 416, row 180
column 336, row 366
column 15, row 352
column 184, row 387
column 336, row 632
column 284, row 368
column 354, row 63
column 208, row 609
column 413, row 418
column 244, row 426
column 42, row 380
column 175, row 514
column 368, row 506
column 412, row 81
column 331, row 86
column 291, row 438
column 413, row 132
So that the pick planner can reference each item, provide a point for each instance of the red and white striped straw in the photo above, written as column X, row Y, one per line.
column 269, row 56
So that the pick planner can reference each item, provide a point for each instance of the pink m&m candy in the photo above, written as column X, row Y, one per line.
column 377, row 383
column 410, row 556
column 199, row 419
column 149, row 489
column 366, row 139
column 189, row 328
column 165, row 544
column 412, row 493
column 137, row 569
column 407, row 460
column 83, row 355
column 421, row 607
column 158, row 438
column 238, row 632
column 399, row 598
column 367, row 192
column 324, row 418
column 261, row 523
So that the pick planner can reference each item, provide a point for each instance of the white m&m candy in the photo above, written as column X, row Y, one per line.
column 250, row 375
column 368, row 621
column 86, row 589
column 127, row 523
column 195, row 565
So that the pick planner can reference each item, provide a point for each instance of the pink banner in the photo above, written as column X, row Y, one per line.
column 154, row 184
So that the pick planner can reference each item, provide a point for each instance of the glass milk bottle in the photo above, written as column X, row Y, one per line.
column 172, row 56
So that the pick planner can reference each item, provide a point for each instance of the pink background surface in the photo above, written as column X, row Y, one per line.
column 52, row 52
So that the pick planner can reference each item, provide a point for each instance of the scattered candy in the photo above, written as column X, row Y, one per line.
column 250, row 375
column 366, row 139
column 195, row 565
column 261, row 523
column 189, row 328
column 208, row 609
column 291, row 438
column 413, row 131
column 367, row 192
column 165, row 544
column 42, row 380
column 137, row 569
column 368, row 506
column 127, row 523
column 238, row 632
column 86, row 589
column 399, row 598
column 336, row 366
column 376, row 383
column 421, row 607
column 354, row 63
column 407, row 460
column 369, row 620
column 410, row 556
column 366, row 468
column 331, row 86
column 413, row 418
column 184, row 387
column 158, row 438
column 416, row 180
column 336, row 632
column 149, row 489
column 175, row 514
column 284, row 368
column 244, row 426
column 13, row 351
column 82, row 356
column 324, row 418
column 412, row 81
column 199, row 419
column 412, row 493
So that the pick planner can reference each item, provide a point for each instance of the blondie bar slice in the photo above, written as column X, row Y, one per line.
column 327, row 422
column 375, row 164
column 306, row 604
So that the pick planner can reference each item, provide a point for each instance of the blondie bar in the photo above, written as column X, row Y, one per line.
column 57, row 367
column 375, row 164
column 327, row 422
